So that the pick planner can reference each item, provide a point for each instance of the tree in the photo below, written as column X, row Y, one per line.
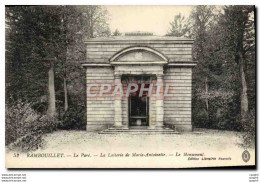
column 179, row 27
column 224, row 47
column 79, row 22
column 202, row 19
column 238, row 32
column 96, row 20
column 116, row 33
column 35, row 33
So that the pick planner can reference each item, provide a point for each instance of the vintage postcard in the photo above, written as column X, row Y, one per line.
column 130, row 86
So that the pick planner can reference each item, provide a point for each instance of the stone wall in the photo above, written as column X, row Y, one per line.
column 100, row 110
column 177, row 109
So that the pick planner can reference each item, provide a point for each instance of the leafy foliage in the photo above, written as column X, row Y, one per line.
column 224, row 47
column 74, row 118
column 116, row 33
column 36, row 33
column 248, row 126
column 25, row 126
column 179, row 27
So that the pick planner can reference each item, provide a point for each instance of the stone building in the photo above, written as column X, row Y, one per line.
column 144, row 60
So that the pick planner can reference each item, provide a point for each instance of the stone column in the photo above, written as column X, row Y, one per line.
column 118, row 103
column 159, row 101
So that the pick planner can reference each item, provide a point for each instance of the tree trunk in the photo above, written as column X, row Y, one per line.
column 51, row 99
column 206, row 99
column 65, row 24
column 66, row 105
column 243, row 97
column 207, row 92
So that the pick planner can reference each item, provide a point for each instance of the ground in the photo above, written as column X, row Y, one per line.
column 201, row 138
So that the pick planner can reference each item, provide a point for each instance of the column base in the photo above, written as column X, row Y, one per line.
column 156, row 127
column 96, row 127
column 151, row 127
column 159, row 127
column 120, row 127
column 118, row 124
column 183, row 128
column 159, row 124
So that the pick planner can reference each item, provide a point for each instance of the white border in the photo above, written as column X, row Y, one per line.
column 151, row 176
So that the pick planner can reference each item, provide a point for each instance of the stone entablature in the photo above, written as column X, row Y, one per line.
column 167, row 59
column 174, row 49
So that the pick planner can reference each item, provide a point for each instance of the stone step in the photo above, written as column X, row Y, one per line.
column 138, row 131
column 141, row 128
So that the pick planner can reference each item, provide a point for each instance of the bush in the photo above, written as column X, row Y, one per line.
column 25, row 126
column 222, row 113
column 74, row 118
column 248, row 125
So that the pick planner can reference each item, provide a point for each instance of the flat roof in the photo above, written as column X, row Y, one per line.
column 138, row 38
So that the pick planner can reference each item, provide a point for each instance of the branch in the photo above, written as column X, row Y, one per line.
column 248, row 49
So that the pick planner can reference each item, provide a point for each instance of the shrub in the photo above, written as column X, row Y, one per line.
column 25, row 126
column 222, row 113
column 74, row 118
column 248, row 125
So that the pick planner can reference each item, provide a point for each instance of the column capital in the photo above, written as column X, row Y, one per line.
column 159, row 76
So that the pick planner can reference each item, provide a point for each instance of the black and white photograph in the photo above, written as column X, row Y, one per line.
column 130, row 86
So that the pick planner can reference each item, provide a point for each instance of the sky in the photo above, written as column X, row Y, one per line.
column 153, row 19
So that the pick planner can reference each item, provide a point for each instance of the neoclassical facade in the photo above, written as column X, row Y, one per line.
column 161, row 67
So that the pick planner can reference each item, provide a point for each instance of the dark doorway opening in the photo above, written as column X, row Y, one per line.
column 139, row 109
